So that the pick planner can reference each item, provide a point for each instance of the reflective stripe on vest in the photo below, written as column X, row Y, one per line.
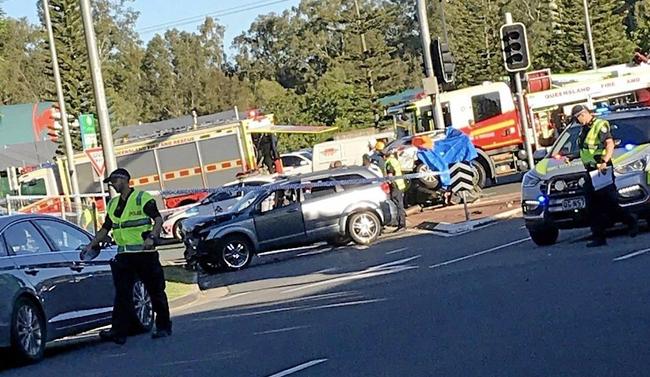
column 128, row 228
column 592, row 146
column 395, row 165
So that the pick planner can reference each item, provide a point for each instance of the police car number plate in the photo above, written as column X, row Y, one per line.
column 574, row 203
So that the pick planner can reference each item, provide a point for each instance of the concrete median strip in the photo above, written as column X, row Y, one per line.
column 450, row 230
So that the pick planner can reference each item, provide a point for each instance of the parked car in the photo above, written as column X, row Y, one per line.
column 213, row 204
column 554, row 194
column 327, row 207
column 47, row 292
column 296, row 163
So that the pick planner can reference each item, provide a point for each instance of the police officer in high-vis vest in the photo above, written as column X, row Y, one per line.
column 397, row 187
column 596, row 151
column 135, row 223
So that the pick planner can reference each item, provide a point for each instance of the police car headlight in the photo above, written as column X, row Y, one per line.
column 560, row 185
column 530, row 180
column 632, row 167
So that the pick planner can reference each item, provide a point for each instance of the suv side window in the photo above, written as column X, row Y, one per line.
column 24, row 238
column 486, row 106
column 311, row 192
column 351, row 177
column 278, row 199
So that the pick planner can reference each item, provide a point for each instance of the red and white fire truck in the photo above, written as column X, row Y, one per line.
column 488, row 113
column 191, row 157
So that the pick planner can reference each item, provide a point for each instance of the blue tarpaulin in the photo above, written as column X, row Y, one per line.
column 455, row 147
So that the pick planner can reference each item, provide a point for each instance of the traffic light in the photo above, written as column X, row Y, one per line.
column 54, row 129
column 444, row 65
column 514, row 45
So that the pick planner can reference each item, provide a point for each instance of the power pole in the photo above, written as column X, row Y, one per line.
column 590, row 38
column 438, row 120
column 364, row 47
column 98, row 86
column 67, row 141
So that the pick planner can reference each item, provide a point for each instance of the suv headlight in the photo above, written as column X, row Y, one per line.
column 632, row 167
column 530, row 180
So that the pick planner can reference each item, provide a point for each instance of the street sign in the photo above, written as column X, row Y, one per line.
column 96, row 156
column 87, row 125
column 462, row 177
column 430, row 85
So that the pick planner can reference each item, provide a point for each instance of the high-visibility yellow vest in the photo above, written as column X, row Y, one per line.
column 393, row 163
column 592, row 146
column 128, row 228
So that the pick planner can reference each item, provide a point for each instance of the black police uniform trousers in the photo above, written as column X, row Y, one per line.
column 397, row 197
column 603, row 208
column 146, row 267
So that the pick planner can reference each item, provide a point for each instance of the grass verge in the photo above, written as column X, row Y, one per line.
column 176, row 290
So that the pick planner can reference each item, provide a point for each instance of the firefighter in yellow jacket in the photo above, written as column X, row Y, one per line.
column 135, row 222
column 596, row 152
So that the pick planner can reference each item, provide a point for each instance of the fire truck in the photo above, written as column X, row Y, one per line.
column 488, row 113
column 193, row 157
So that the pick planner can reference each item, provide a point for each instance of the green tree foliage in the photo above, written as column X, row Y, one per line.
column 609, row 32
column 638, row 23
column 307, row 65
column 22, row 62
column 72, row 57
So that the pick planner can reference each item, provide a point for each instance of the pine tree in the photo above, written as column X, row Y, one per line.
column 73, row 64
column 610, row 39
column 639, row 24
column 475, row 39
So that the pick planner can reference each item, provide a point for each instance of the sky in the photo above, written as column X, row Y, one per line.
column 235, row 15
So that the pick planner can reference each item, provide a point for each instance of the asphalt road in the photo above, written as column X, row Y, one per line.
column 487, row 303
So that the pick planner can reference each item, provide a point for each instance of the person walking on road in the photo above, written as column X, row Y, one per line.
column 135, row 222
column 596, row 151
column 397, row 187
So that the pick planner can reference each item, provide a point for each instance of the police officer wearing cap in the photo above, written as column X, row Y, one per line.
column 596, row 151
column 135, row 223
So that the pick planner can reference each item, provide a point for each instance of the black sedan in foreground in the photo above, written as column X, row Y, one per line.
column 47, row 292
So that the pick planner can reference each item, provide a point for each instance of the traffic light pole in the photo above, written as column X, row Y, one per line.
column 527, row 133
column 594, row 64
column 438, row 120
column 67, row 141
column 98, row 86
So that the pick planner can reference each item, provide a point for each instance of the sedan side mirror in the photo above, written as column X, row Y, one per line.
column 540, row 154
column 304, row 163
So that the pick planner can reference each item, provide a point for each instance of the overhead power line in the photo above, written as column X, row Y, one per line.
column 219, row 13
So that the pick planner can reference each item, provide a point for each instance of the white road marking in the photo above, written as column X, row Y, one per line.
column 280, row 330
column 236, row 295
column 298, row 368
column 314, row 252
column 397, row 250
column 326, row 270
column 340, row 304
column 367, row 273
column 631, row 255
column 288, row 250
column 248, row 314
column 480, row 253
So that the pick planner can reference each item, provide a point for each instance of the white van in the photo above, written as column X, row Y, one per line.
column 348, row 151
